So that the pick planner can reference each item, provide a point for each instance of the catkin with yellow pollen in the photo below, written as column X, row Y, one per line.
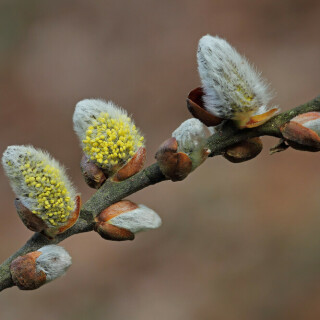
column 108, row 135
column 40, row 183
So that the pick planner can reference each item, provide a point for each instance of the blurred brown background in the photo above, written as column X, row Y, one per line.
column 238, row 241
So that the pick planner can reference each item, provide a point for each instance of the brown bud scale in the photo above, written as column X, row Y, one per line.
column 174, row 165
column 30, row 220
column 72, row 219
column 116, row 209
column 134, row 165
column 110, row 232
column 300, row 137
column 197, row 109
column 24, row 272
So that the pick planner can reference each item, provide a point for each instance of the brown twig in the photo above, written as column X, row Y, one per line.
column 111, row 192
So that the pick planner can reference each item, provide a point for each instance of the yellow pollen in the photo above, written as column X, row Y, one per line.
column 46, row 185
column 109, row 141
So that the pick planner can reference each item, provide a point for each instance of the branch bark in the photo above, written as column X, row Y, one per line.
column 111, row 192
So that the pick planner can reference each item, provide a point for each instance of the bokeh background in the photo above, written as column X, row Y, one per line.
column 238, row 241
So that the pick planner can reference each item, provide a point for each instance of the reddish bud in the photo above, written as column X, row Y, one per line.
column 302, row 132
column 174, row 165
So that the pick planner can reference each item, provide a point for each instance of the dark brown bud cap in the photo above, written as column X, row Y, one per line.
column 36, row 224
column 196, row 107
column 30, row 220
column 92, row 174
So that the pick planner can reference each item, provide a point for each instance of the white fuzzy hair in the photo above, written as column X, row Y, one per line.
column 89, row 109
column 54, row 261
column 190, row 135
column 313, row 125
column 228, row 79
column 140, row 219
column 15, row 156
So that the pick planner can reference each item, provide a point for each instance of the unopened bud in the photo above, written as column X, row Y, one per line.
column 122, row 220
column 36, row 268
column 244, row 150
column 191, row 137
column 185, row 151
column 302, row 132
column 174, row 165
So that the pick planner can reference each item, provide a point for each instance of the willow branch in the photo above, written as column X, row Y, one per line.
column 112, row 192
column 227, row 134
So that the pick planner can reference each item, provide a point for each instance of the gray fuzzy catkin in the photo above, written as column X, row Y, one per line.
column 54, row 261
column 88, row 110
column 231, row 85
column 137, row 220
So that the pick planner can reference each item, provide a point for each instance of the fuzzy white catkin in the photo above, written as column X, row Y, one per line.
column 231, row 85
column 140, row 219
column 54, row 261
column 89, row 109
